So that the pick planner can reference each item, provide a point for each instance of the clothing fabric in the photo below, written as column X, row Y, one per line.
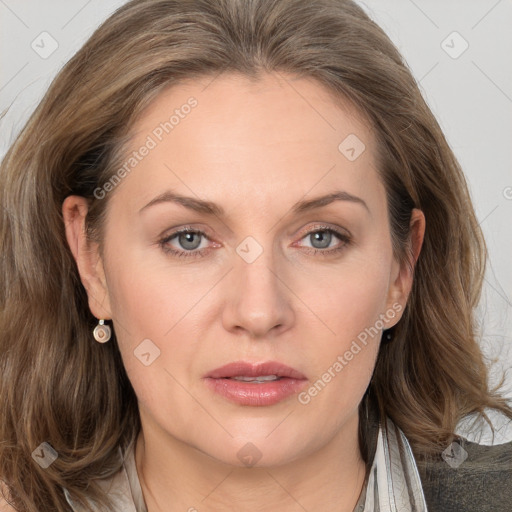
column 124, row 488
column 394, row 484
column 480, row 481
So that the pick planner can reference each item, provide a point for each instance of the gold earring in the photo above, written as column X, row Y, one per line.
column 102, row 332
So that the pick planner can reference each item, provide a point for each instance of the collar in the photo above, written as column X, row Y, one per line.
column 392, row 483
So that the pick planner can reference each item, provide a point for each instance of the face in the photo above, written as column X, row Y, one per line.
column 264, row 273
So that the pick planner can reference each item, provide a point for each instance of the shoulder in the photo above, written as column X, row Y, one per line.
column 471, row 477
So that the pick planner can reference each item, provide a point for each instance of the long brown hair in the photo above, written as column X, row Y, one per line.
column 58, row 386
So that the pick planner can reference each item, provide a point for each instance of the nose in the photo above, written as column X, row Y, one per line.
column 259, row 302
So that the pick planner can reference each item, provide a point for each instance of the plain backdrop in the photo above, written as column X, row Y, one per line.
column 458, row 50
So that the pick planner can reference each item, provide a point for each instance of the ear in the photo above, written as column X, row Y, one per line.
column 87, row 256
column 402, row 275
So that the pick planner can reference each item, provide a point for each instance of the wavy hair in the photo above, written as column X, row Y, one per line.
column 58, row 386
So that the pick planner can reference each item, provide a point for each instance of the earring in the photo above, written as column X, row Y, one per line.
column 387, row 335
column 102, row 332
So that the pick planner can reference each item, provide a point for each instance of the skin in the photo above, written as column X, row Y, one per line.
column 255, row 149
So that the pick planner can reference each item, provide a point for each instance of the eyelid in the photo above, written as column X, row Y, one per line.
column 326, row 227
column 205, row 231
column 170, row 232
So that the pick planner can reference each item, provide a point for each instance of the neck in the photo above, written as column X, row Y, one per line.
column 175, row 476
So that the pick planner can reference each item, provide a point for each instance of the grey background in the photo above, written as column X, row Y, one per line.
column 469, row 91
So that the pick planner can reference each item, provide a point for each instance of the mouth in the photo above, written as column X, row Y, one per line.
column 259, row 384
column 260, row 378
column 255, row 372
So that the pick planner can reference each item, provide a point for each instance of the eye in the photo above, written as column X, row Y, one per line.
column 188, row 240
column 321, row 238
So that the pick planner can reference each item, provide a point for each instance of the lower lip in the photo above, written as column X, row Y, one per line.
column 257, row 393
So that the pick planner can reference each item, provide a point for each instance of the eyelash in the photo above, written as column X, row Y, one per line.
column 346, row 239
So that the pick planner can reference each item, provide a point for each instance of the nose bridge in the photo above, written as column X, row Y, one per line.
column 256, row 267
column 259, row 298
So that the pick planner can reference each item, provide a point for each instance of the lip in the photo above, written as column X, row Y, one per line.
column 255, row 394
column 240, row 368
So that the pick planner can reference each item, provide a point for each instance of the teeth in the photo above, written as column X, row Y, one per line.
column 262, row 378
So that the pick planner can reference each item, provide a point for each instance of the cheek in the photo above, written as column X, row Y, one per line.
column 348, row 298
column 350, row 307
column 151, row 298
column 157, row 312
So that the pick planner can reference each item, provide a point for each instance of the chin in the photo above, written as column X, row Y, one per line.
column 254, row 452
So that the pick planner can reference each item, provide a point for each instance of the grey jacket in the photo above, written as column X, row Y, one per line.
column 478, row 482
column 482, row 483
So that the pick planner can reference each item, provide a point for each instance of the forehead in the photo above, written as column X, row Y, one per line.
column 253, row 107
column 228, row 136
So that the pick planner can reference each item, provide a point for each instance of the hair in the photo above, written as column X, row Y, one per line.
column 57, row 385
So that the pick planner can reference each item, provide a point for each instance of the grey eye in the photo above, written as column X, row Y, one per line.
column 323, row 238
column 186, row 240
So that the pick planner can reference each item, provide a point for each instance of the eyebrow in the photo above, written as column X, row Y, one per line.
column 213, row 209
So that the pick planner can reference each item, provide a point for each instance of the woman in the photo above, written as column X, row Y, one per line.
column 239, row 272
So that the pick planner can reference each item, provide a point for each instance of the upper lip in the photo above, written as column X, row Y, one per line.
column 246, row 369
